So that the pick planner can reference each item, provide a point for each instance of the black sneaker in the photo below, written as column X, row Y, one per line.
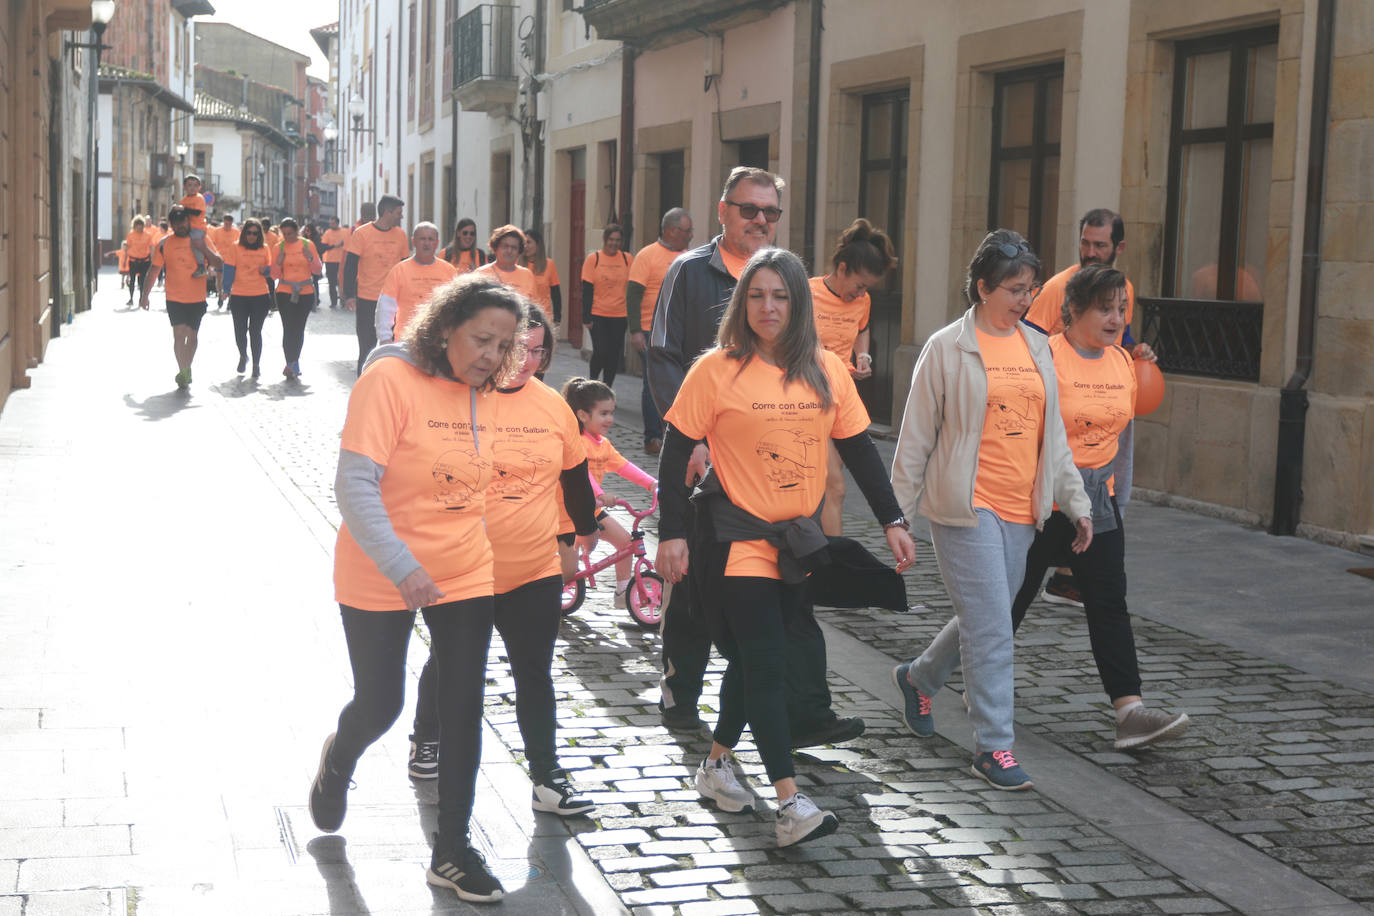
column 832, row 731
column 329, row 793
column 555, row 796
column 1061, row 589
column 465, row 872
column 424, row 759
column 680, row 717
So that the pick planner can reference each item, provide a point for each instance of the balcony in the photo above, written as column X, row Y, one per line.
column 1205, row 337
column 651, row 24
column 484, row 76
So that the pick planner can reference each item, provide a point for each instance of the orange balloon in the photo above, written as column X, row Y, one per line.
column 1149, row 387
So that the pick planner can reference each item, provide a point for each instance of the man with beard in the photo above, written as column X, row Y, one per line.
column 185, row 291
column 1101, row 237
column 691, row 302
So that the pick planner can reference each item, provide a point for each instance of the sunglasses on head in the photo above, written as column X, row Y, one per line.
column 1010, row 251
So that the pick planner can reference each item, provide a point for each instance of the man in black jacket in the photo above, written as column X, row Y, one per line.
column 691, row 302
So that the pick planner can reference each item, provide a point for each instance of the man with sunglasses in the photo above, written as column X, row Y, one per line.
column 691, row 302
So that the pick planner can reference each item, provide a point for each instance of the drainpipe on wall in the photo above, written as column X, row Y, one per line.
column 813, row 129
column 1293, row 395
column 627, row 146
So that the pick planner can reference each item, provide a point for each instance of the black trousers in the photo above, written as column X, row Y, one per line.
column 293, row 318
column 365, row 322
column 1100, row 574
column 138, row 273
column 608, row 343
column 249, row 313
column 527, row 619
column 754, row 691
column 377, row 640
column 331, row 273
column 687, row 651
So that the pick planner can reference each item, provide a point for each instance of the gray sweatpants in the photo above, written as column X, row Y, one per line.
column 982, row 568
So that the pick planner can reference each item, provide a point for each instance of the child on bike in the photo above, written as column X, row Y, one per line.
column 594, row 404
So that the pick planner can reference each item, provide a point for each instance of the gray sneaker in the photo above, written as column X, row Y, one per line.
column 1144, row 726
column 717, row 781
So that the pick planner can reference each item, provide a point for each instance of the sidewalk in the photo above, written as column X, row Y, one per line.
column 170, row 660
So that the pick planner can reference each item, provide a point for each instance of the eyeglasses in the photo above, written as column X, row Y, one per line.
column 1010, row 251
column 1021, row 292
column 750, row 211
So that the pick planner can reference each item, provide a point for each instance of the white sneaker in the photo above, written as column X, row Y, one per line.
column 716, row 780
column 555, row 796
column 800, row 820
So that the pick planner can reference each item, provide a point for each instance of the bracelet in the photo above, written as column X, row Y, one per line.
column 898, row 522
column 866, row 356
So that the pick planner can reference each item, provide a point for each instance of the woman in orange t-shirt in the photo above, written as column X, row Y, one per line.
column 862, row 258
column 535, row 447
column 246, row 265
column 982, row 451
column 766, row 399
column 506, row 243
column 415, row 459
column 604, row 276
column 463, row 252
column 1097, row 387
column 295, row 265
column 547, row 293
column 138, row 248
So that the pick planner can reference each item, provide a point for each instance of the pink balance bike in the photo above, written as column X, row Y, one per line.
column 644, row 595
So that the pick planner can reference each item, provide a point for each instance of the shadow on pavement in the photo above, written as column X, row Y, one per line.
column 160, row 406
column 331, row 858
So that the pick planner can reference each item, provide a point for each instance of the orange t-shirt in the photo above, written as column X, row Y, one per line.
column 222, row 238
column 838, row 322
column 521, row 279
column 602, row 457
column 420, row 428
column 768, row 440
column 648, row 270
column 336, row 238
column 608, row 275
column 543, row 283
column 410, row 284
column 534, row 439
column 295, row 265
column 176, row 255
column 1012, row 429
column 248, row 263
column 123, row 255
column 139, row 245
column 733, row 262
column 377, row 253
column 1096, row 399
column 465, row 261
column 1046, row 312
column 197, row 203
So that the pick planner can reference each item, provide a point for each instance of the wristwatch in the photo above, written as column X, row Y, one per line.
column 898, row 522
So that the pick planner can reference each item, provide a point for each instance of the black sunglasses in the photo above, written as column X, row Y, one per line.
column 749, row 211
column 1010, row 251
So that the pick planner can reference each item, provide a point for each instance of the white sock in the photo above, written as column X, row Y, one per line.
column 622, row 584
column 1124, row 711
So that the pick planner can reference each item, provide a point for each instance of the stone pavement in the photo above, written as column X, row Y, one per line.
column 170, row 661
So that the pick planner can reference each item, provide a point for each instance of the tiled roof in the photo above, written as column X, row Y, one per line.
column 209, row 108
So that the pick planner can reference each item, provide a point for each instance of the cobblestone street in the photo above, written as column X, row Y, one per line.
column 172, row 658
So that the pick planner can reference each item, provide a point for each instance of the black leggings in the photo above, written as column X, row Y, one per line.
column 138, row 273
column 249, row 312
column 331, row 273
column 293, row 318
column 759, row 612
column 365, row 322
column 460, row 633
column 527, row 619
column 1100, row 574
column 608, row 341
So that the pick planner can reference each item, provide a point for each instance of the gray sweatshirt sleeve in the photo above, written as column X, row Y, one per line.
column 358, row 491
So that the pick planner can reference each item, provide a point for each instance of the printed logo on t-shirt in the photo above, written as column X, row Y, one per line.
column 457, row 477
column 514, row 469
column 1018, row 408
column 1098, row 424
column 789, row 456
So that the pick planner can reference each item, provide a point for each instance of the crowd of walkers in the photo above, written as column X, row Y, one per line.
column 468, row 488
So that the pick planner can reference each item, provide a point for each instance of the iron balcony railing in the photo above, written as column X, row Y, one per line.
column 1205, row 337
column 484, row 44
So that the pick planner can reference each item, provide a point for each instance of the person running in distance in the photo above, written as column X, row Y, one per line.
column 604, row 275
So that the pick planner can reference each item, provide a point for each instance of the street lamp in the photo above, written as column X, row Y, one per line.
column 182, row 150
column 331, row 133
column 356, row 109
